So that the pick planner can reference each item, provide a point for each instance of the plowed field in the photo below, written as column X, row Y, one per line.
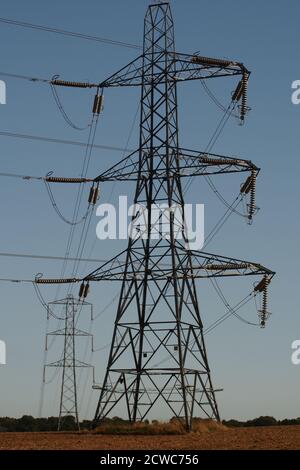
column 277, row 437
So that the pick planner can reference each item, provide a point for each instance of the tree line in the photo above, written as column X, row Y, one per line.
column 28, row 423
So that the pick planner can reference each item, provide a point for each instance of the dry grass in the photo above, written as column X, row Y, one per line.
column 158, row 428
column 207, row 425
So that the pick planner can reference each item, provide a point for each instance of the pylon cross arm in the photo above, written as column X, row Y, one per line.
column 191, row 264
column 187, row 163
column 184, row 67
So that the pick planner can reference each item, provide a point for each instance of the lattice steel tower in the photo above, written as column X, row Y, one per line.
column 158, row 312
column 68, row 363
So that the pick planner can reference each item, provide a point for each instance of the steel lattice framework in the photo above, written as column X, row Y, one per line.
column 68, row 363
column 158, row 307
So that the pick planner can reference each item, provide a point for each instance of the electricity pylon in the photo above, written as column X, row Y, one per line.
column 158, row 307
column 68, row 363
column 158, row 311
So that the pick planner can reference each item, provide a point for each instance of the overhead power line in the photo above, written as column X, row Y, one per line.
column 23, row 177
column 18, row 281
column 59, row 141
column 56, row 258
column 53, row 81
column 24, row 77
column 64, row 32
column 48, row 178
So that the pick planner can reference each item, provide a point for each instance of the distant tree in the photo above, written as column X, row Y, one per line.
column 86, row 424
column 8, row 424
column 26, row 423
column 233, row 423
column 42, row 424
column 52, row 423
column 289, row 422
column 68, row 423
column 118, row 420
column 262, row 421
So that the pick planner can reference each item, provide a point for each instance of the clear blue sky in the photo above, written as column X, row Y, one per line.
column 252, row 365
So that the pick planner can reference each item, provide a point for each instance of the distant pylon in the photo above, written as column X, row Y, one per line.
column 70, row 309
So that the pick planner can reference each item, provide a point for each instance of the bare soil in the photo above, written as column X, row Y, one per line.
column 277, row 437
